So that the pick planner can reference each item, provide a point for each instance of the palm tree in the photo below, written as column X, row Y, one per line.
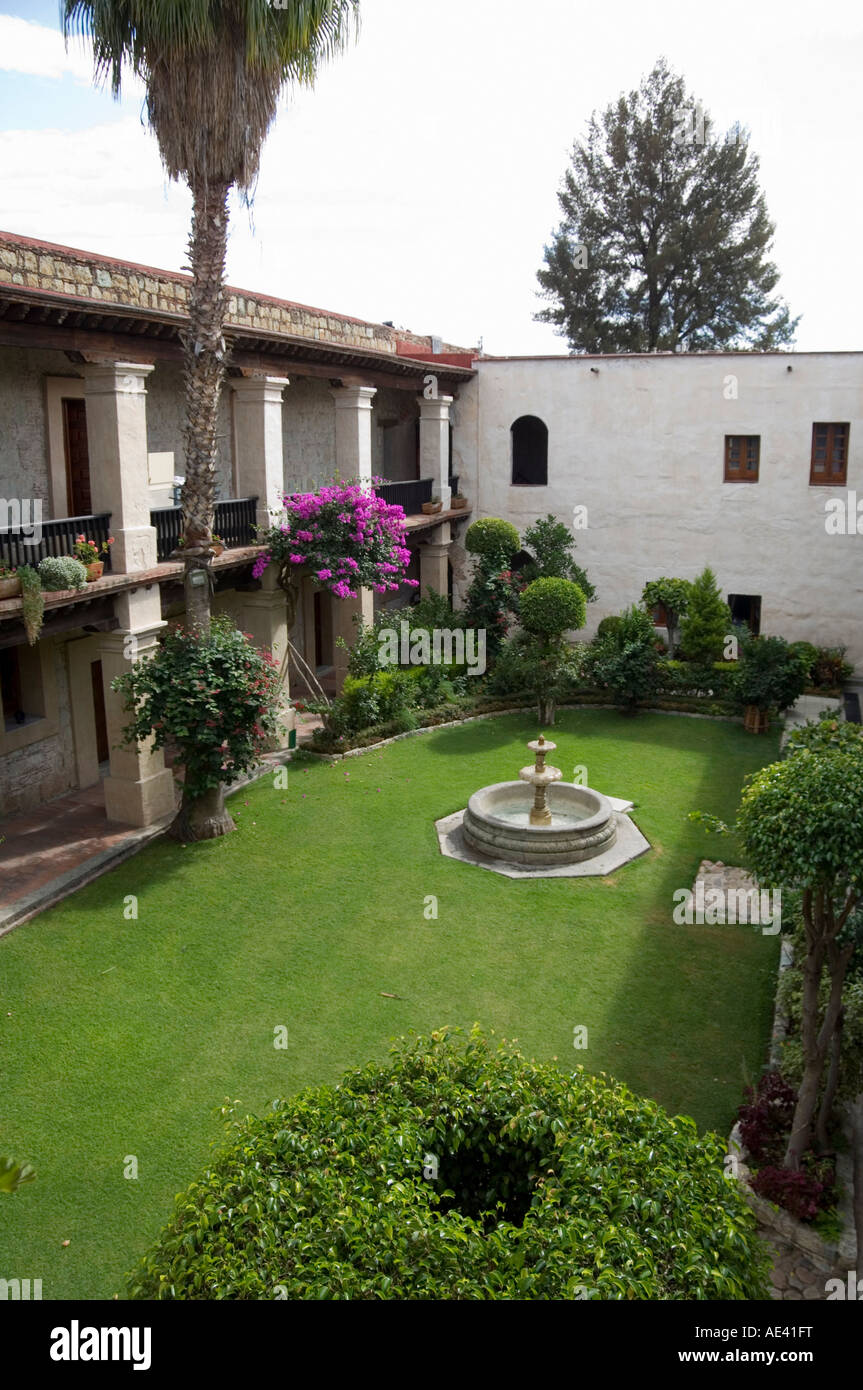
column 214, row 71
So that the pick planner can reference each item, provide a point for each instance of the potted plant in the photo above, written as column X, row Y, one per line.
column 770, row 675
column 433, row 506
column 88, row 553
column 10, row 584
column 217, row 545
column 457, row 502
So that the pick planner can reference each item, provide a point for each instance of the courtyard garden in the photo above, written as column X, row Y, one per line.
column 245, row 968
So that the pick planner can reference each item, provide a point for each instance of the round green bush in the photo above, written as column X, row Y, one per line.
column 62, row 572
column 492, row 539
column 550, row 607
column 608, row 625
column 548, row 1185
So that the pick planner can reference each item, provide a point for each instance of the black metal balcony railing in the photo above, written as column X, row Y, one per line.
column 234, row 522
column 409, row 495
column 55, row 538
column 453, row 482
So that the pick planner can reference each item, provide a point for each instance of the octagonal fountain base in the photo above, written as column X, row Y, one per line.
column 600, row 831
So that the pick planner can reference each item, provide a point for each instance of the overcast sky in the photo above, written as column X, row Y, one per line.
column 417, row 182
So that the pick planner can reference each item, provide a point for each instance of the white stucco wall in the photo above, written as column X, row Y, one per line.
column 640, row 443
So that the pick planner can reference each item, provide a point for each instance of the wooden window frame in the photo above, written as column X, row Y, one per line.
column 826, row 478
column 739, row 474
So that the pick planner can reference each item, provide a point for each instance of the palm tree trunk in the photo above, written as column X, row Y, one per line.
column 205, row 370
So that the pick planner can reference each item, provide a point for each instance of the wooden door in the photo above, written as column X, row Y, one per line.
column 103, row 749
column 77, row 457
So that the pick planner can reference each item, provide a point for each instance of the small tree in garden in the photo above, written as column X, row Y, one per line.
column 493, row 541
column 551, row 544
column 770, row 674
column 215, row 697
column 707, row 621
column 673, row 596
column 801, row 824
column 492, row 597
column 549, row 608
column 625, row 660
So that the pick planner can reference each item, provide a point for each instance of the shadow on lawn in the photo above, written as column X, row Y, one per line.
column 743, row 962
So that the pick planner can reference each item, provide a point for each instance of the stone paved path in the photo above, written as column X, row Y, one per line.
column 797, row 1277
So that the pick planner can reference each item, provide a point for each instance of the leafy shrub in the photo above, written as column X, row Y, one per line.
column 800, row 1193
column 707, row 620
column 492, row 539
column 808, row 655
column 551, row 544
column 215, row 697
column 827, row 732
column 625, row 661
column 62, row 572
column 608, row 625
column 547, row 1183
column 766, row 1119
column 550, row 607
column 769, row 674
column 830, row 670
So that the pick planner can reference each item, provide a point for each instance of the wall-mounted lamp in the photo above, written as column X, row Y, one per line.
column 595, row 370
column 789, row 368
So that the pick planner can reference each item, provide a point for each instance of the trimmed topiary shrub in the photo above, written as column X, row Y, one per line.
column 550, row 607
column 62, row 572
column 458, row 1170
column 492, row 539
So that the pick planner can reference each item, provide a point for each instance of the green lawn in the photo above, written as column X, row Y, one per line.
column 121, row 1037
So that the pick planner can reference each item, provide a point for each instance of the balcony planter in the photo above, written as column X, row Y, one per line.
column 430, row 508
column 10, row 587
column 94, row 571
column 458, row 503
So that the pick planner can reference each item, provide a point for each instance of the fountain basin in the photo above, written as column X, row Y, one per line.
column 496, row 824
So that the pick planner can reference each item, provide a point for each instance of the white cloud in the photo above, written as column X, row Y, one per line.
column 38, row 51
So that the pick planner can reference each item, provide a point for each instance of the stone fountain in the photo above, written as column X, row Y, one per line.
column 566, row 824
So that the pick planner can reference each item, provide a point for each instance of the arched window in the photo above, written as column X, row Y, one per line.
column 529, row 452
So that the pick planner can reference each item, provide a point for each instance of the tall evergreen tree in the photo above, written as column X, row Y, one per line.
column 665, row 235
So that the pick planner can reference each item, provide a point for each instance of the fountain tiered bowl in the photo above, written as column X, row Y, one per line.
column 563, row 823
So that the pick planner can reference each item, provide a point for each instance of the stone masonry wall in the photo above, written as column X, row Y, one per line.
column 62, row 270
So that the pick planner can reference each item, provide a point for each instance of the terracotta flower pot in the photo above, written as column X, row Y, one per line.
column 216, row 547
column 431, row 507
column 458, row 503
column 94, row 571
column 10, row 588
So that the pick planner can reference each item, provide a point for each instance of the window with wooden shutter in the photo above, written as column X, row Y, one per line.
column 742, row 455
column 829, row 466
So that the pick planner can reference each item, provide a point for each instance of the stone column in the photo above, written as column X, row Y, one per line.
column 139, row 788
column 259, row 441
column 354, row 431
column 434, row 445
column 434, row 557
column 353, row 460
column 344, row 626
column 265, row 616
column 115, row 395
